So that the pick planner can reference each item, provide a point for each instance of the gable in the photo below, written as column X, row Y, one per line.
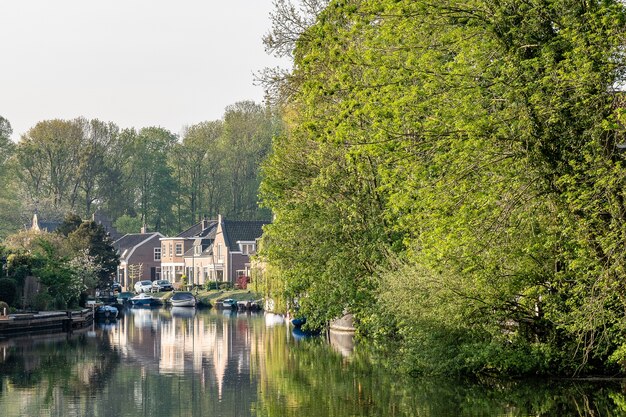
column 242, row 231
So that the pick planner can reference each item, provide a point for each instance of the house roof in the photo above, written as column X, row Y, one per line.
column 242, row 230
column 205, row 228
column 103, row 220
column 44, row 225
column 205, row 244
column 131, row 240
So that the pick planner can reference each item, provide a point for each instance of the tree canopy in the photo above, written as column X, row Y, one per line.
column 450, row 174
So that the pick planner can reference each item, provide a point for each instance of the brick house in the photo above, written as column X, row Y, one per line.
column 174, row 249
column 223, row 254
column 140, row 258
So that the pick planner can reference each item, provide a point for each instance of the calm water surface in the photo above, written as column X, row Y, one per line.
column 183, row 362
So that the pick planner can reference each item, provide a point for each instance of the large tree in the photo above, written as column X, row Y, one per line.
column 9, row 197
column 471, row 148
column 198, row 169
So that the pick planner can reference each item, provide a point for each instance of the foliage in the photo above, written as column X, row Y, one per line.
column 8, row 290
column 63, row 283
column 127, row 224
column 71, row 222
column 149, row 174
column 449, row 173
column 9, row 201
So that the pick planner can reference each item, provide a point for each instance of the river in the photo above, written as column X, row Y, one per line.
column 186, row 362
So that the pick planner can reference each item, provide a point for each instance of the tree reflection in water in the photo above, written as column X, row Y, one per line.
column 206, row 363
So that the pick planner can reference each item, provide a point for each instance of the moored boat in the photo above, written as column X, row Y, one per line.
column 298, row 322
column 106, row 312
column 124, row 297
column 144, row 299
column 227, row 303
column 183, row 299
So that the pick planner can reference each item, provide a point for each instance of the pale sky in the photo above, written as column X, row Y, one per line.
column 136, row 63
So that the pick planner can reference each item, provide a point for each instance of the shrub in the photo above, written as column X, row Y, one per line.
column 211, row 285
column 43, row 300
column 8, row 290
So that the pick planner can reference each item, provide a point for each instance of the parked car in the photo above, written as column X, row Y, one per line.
column 143, row 286
column 116, row 287
column 161, row 285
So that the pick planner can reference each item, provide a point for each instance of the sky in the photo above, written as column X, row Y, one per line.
column 136, row 63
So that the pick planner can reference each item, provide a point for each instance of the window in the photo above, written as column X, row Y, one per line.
column 158, row 272
column 164, row 250
column 247, row 248
column 219, row 251
column 179, row 249
column 157, row 254
column 198, row 249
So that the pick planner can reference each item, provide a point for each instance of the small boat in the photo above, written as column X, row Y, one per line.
column 124, row 297
column 106, row 312
column 144, row 299
column 298, row 322
column 228, row 303
column 183, row 299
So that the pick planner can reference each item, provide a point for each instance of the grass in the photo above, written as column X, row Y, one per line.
column 208, row 298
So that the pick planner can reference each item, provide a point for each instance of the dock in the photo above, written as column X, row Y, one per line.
column 45, row 322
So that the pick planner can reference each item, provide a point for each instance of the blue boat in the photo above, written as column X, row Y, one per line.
column 298, row 322
column 106, row 312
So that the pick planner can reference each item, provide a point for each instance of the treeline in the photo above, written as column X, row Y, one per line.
column 452, row 174
column 147, row 176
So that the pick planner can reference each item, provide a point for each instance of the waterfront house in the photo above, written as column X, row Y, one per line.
column 140, row 257
column 197, row 259
column 224, row 254
column 175, row 248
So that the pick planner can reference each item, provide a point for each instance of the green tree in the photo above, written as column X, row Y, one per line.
column 128, row 224
column 198, row 167
column 246, row 140
column 152, row 178
column 9, row 198
column 100, row 253
column 471, row 149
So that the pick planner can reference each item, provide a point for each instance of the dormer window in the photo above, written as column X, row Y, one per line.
column 247, row 248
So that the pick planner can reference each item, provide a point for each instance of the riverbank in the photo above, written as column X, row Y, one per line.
column 208, row 298
column 45, row 322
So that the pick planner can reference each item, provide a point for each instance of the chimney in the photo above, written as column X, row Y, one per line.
column 144, row 229
column 205, row 223
column 219, row 219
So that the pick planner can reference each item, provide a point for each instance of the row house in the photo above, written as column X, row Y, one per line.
column 173, row 249
column 224, row 254
column 140, row 257
column 209, row 251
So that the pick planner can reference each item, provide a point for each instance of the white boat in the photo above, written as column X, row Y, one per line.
column 144, row 299
column 183, row 299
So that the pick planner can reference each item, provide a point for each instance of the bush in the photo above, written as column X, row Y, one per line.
column 225, row 286
column 212, row 285
column 43, row 300
column 8, row 290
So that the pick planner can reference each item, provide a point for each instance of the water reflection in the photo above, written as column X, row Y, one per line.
column 188, row 362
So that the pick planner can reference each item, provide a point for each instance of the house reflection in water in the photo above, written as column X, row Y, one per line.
column 178, row 341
